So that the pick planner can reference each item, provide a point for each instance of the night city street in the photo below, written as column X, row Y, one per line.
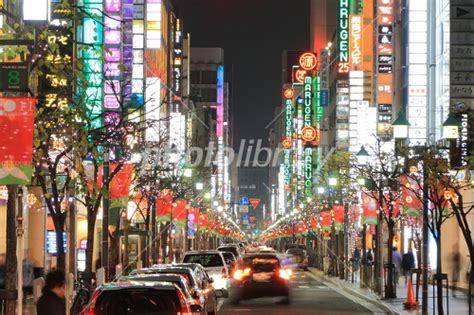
column 207, row 157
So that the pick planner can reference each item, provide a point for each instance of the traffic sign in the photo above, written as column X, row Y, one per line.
column 190, row 224
column 244, row 201
column 191, row 217
column 191, row 232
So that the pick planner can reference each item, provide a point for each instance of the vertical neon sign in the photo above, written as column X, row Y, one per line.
column 308, row 121
column 220, row 129
column 343, row 28
column 287, row 141
column 153, row 24
column 90, row 33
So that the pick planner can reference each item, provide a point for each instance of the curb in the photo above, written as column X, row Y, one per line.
column 374, row 300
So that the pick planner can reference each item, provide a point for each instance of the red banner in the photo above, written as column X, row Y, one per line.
column 326, row 220
column 338, row 211
column 164, row 206
column 180, row 211
column 17, row 115
column 203, row 220
column 411, row 203
column 354, row 213
column 120, row 185
column 369, row 208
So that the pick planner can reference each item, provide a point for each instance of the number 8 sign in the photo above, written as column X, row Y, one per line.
column 13, row 77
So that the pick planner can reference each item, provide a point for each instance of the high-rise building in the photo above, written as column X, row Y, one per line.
column 210, row 92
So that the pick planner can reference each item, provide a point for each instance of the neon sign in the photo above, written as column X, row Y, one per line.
column 287, row 142
column 289, row 93
column 308, row 61
column 153, row 24
column 355, row 44
column 343, row 66
column 308, row 101
column 309, row 134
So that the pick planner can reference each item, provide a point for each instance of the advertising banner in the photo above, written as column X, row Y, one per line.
column 338, row 211
column 369, row 208
column 163, row 207
column 411, row 204
column 17, row 115
column 326, row 221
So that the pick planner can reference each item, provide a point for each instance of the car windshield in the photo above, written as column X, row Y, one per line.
column 206, row 260
column 231, row 249
column 137, row 301
column 229, row 257
column 262, row 264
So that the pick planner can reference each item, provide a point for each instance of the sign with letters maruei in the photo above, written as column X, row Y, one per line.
column 13, row 77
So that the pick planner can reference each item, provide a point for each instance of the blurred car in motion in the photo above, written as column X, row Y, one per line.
column 300, row 258
column 131, row 297
column 214, row 263
column 260, row 275
column 194, row 274
column 193, row 296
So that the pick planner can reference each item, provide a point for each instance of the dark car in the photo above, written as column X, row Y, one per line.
column 230, row 260
column 196, row 276
column 299, row 256
column 132, row 297
column 189, row 293
column 260, row 275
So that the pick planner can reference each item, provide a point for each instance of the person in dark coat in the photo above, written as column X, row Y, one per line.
column 53, row 302
column 408, row 263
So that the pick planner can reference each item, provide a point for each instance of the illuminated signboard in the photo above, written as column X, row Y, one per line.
column 417, row 72
column 90, row 33
column 220, row 101
column 324, row 77
column 287, row 142
column 308, row 100
column 308, row 171
column 355, row 45
column 384, row 56
column 343, row 29
column 153, row 100
column 153, row 24
column 309, row 134
column 308, row 61
column 177, row 65
column 112, row 54
column 308, row 122
column 289, row 93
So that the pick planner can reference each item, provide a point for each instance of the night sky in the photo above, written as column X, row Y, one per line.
column 253, row 34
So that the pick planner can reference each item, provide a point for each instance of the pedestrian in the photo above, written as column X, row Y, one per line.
column 356, row 259
column 408, row 263
column 397, row 262
column 370, row 257
column 28, row 277
column 456, row 271
column 53, row 302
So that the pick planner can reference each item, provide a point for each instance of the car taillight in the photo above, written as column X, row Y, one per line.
column 239, row 274
column 224, row 273
column 91, row 306
column 285, row 274
column 184, row 305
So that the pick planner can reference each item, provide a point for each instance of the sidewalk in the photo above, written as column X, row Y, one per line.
column 457, row 305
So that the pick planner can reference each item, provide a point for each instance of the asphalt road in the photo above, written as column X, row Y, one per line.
column 308, row 296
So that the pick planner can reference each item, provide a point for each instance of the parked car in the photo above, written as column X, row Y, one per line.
column 214, row 263
column 300, row 257
column 260, row 275
column 133, row 297
column 190, row 293
column 197, row 278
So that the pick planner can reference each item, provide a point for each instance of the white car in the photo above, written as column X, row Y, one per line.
column 214, row 263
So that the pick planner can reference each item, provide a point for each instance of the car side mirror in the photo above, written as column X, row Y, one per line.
column 195, row 308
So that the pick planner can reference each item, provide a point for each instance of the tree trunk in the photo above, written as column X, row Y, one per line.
column 91, row 218
column 10, row 259
column 58, row 220
column 389, row 291
column 439, row 271
column 114, row 252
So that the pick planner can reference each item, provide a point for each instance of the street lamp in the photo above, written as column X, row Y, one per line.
column 451, row 128
column 199, row 186
column 332, row 180
column 321, row 190
column 400, row 127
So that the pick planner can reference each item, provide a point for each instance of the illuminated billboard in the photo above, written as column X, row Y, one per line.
column 220, row 102
column 343, row 36
column 153, row 24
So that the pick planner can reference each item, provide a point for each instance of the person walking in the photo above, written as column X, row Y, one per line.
column 397, row 262
column 53, row 302
column 408, row 263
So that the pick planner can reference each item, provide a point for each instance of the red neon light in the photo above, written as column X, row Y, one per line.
column 289, row 93
column 309, row 134
column 286, row 143
column 299, row 75
column 308, row 61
